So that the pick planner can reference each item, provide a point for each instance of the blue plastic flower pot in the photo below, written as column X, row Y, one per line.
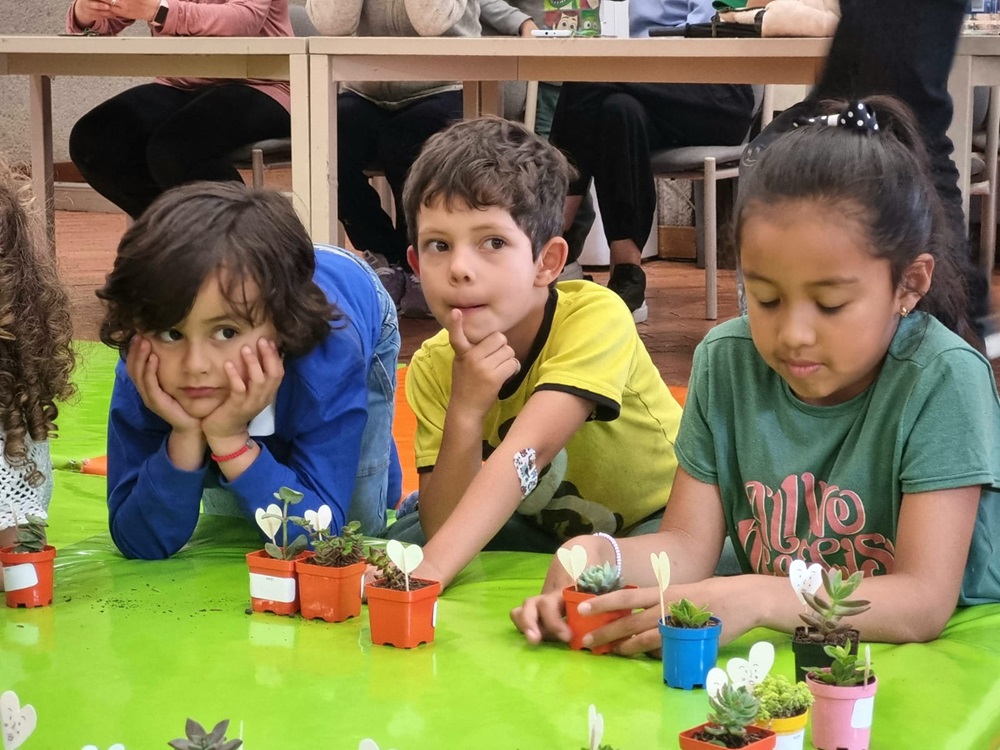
column 688, row 653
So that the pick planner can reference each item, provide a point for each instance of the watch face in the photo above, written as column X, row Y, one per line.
column 161, row 14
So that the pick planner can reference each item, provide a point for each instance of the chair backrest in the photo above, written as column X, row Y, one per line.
column 302, row 25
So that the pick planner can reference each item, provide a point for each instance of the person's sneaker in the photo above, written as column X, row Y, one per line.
column 393, row 278
column 572, row 272
column 375, row 260
column 413, row 304
column 628, row 281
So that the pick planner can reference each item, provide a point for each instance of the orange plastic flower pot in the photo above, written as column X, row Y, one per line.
column 583, row 624
column 331, row 594
column 27, row 576
column 273, row 584
column 765, row 739
column 403, row 619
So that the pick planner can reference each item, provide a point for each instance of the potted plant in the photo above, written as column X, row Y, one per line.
column 332, row 576
column 730, row 723
column 28, row 565
column 198, row 739
column 689, row 636
column 273, row 585
column 844, row 696
column 590, row 582
column 402, row 611
column 784, row 709
column 824, row 623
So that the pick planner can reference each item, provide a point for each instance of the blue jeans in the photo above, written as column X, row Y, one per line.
column 379, row 481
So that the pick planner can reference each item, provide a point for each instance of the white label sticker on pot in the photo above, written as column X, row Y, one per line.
column 17, row 577
column 273, row 588
column 790, row 741
column 861, row 717
column 434, row 616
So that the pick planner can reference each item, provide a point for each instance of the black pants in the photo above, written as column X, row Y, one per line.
column 904, row 48
column 370, row 135
column 154, row 137
column 608, row 131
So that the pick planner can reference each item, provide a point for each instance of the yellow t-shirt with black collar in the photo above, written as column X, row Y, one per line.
column 620, row 463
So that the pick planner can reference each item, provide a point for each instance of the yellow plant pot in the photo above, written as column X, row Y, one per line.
column 791, row 732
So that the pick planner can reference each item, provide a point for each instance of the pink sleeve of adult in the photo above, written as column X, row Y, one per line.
column 231, row 18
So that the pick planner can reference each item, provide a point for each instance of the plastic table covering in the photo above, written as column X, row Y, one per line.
column 130, row 649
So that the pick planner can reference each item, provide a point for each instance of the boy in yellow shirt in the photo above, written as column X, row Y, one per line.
column 540, row 414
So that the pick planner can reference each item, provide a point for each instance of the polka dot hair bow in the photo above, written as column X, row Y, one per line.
column 856, row 116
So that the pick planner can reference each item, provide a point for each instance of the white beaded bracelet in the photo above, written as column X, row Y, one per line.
column 618, row 551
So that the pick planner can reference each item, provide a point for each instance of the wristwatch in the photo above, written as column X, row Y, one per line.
column 161, row 14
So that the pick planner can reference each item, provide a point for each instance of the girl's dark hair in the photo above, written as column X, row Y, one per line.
column 36, row 327
column 193, row 231
column 879, row 179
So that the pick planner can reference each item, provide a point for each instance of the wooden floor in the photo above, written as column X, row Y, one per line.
column 86, row 243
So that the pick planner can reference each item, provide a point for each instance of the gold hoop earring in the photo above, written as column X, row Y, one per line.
column 903, row 311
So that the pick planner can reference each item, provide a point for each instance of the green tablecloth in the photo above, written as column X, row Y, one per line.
column 130, row 649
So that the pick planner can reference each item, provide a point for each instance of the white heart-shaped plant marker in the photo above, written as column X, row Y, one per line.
column 573, row 560
column 714, row 681
column 596, row 722
column 750, row 672
column 805, row 579
column 661, row 569
column 319, row 520
column 269, row 526
column 367, row 744
column 406, row 558
column 16, row 723
column 116, row 746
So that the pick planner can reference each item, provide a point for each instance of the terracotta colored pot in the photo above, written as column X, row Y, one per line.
column 583, row 624
column 331, row 594
column 688, row 653
column 27, row 576
column 842, row 716
column 273, row 583
column 765, row 741
column 403, row 619
column 809, row 654
column 791, row 732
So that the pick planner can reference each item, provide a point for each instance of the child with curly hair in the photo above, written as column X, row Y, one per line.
column 36, row 359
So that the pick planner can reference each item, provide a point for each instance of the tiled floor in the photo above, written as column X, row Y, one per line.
column 86, row 242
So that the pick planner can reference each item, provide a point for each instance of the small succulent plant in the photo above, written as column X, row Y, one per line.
column 687, row 614
column 846, row 670
column 733, row 710
column 338, row 551
column 389, row 575
column 286, row 551
column 30, row 535
column 825, row 621
column 780, row 698
column 599, row 579
column 199, row 739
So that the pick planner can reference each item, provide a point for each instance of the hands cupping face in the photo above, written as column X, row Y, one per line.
column 252, row 386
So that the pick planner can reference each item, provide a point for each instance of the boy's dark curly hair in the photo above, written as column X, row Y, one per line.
column 36, row 329
column 203, row 228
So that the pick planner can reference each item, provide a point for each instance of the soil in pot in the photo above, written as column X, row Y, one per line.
column 756, row 738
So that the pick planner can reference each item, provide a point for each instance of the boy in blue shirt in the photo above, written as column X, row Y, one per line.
column 526, row 372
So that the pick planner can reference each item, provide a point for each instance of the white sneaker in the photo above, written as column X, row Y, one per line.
column 572, row 272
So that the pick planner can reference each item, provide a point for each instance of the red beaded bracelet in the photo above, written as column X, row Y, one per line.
column 235, row 454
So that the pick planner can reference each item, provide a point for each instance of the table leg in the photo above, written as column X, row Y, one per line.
column 491, row 98
column 323, row 147
column 41, row 152
column 298, row 74
column 471, row 97
column 960, row 132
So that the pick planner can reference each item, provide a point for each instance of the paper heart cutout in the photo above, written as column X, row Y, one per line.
column 750, row 672
column 321, row 519
column 596, row 722
column 367, row 744
column 714, row 680
column 574, row 560
column 661, row 569
column 269, row 526
column 16, row 723
column 116, row 746
column 406, row 558
column 802, row 578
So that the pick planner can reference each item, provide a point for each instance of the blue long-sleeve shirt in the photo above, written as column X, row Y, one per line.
column 320, row 414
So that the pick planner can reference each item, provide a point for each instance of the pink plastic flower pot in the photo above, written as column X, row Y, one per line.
column 842, row 716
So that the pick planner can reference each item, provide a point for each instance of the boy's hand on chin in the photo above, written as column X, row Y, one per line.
column 141, row 365
column 479, row 370
column 247, row 398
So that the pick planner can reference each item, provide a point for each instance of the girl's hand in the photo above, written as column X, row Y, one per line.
column 247, row 396
column 135, row 10
column 89, row 12
column 141, row 365
column 542, row 618
column 479, row 370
